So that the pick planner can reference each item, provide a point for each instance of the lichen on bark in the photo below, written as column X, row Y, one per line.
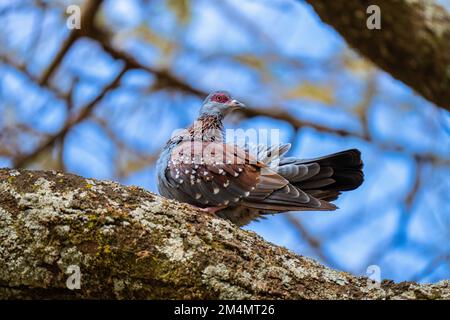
column 130, row 243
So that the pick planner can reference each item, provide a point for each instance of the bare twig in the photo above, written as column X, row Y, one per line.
column 73, row 120
column 313, row 242
column 87, row 24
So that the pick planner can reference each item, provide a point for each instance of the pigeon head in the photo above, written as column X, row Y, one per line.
column 219, row 103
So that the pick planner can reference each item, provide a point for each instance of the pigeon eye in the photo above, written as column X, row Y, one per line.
column 220, row 98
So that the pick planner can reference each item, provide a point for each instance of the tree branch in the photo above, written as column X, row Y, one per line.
column 88, row 15
column 413, row 44
column 73, row 120
column 164, row 78
column 129, row 243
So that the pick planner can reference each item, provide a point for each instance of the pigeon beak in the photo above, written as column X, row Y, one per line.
column 234, row 104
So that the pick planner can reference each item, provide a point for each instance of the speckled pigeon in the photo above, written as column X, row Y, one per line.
column 242, row 184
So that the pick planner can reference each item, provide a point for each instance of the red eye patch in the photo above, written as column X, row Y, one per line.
column 220, row 97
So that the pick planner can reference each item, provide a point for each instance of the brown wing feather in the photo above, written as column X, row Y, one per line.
column 215, row 174
column 211, row 173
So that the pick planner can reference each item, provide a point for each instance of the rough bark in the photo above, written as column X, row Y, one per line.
column 413, row 44
column 130, row 243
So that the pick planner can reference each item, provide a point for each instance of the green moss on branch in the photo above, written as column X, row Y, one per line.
column 130, row 243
